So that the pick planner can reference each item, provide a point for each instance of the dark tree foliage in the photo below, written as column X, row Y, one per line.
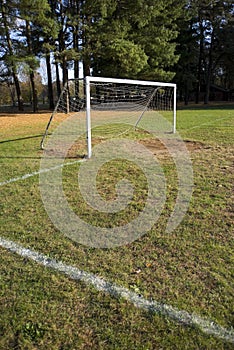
column 205, row 47
column 9, row 52
column 139, row 39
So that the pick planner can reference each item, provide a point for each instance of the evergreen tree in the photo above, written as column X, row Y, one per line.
column 140, row 39
column 212, row 17
column 9, row 55
column 224, row 72
column 155, row 29
column 34, row 14
column 188, row 51
column 47, row 47
column 135, row 39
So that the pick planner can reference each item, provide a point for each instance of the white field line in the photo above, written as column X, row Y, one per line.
column 208, row 123
column 179, row 316
column 26, row 176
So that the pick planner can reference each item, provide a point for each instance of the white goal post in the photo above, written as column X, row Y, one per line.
column 113, row 103
column 100, row 80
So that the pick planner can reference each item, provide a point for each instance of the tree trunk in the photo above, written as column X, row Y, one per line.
column 64, row 70
column 86, row 22
column 12, row 63
column 76, row 45
column 18, row 90
column 207, row 91
column 49, row 83
column 86, row 66
column 199, row 73
column 186, row 94
column 32, row 80
column 76, row 62
column 209, row 70
column 57, row 79
column 34, row 92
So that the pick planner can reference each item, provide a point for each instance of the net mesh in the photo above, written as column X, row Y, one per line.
column 121, row 107
column 131, row 97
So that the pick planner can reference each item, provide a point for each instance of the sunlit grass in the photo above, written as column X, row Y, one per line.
column 190, row 268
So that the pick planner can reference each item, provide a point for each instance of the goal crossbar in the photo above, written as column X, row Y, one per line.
column 127, row 81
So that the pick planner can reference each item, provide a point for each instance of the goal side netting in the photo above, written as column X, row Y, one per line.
column 108, row 108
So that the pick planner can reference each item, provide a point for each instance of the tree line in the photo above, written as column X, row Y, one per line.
column 189, row 42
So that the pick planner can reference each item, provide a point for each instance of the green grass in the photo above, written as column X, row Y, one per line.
column 190, row 269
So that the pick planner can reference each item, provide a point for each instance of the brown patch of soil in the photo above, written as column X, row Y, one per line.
column 157, row 147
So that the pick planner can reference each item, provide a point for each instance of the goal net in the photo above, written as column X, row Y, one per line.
column 108, row 108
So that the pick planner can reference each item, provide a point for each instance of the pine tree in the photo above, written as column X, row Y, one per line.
column 224, row 72
column 133, row 38
column 8, row 19
column 156, row 30
column 210, row 20
column 187, row 49
column 46, row 44
column 35, row 22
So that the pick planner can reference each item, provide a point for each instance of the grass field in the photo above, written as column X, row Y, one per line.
column 190, row 269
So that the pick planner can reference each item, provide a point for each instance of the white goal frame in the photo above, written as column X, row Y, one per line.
column 72, row 101
column 90, row 79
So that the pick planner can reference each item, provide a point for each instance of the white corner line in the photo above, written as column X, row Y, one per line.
column 179, row 316
column 26, row 176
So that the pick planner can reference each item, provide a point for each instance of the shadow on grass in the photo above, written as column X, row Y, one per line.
column 11, row 111
column 19, row 157
column 21, row 138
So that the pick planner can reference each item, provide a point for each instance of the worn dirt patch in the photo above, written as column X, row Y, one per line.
column 157, row 147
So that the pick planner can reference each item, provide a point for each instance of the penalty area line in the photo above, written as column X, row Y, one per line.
column 26, row 176
column 181, row 317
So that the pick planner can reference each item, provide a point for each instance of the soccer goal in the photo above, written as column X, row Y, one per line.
column 108, row 107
